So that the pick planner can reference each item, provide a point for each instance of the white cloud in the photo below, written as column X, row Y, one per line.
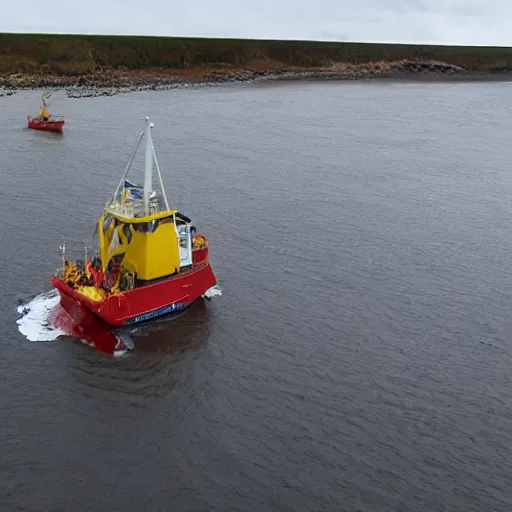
column 468, row 22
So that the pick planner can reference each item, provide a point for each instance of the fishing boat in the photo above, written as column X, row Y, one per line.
column 45, row 121
column 150, row 261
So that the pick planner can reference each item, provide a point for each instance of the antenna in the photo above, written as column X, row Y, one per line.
column 63, row 254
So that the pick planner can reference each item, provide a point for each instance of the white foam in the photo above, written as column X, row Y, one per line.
column 214, row 291
column 33, row 323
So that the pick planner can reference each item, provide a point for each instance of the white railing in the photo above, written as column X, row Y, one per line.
column 134, row 209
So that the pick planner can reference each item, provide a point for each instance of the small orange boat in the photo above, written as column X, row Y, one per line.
column 45, row 121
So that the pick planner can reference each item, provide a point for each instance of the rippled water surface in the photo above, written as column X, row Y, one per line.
column 360, row 356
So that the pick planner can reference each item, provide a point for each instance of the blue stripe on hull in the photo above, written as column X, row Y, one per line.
column 156, row 313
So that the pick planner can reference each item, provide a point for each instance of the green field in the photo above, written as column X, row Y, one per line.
column 76, row 54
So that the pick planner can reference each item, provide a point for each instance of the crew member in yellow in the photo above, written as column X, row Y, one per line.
column 43, row 115
column 197, row 241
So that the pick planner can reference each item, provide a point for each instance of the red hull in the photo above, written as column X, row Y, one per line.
column 48, row 126
column 142, row 303
column 91, row 329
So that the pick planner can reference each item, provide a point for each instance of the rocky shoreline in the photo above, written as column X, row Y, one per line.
column 107, row 82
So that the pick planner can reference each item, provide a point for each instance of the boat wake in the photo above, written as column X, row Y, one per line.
column 214, row 291
column 33, row 323
column 43, row 319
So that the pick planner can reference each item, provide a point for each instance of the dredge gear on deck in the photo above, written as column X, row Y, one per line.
column 82, row 275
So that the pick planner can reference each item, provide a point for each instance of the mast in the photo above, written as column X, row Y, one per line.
column 148, row 171
column 150, row 159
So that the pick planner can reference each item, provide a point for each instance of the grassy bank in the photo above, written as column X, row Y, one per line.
column 73, row 54
column 112, row 61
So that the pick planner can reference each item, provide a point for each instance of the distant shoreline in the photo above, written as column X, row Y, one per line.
column 91, row 65
column 107, row 82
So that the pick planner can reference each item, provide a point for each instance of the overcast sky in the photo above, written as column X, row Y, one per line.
column 478, row 22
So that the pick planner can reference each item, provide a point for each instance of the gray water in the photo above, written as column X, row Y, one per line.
column 359, row 357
